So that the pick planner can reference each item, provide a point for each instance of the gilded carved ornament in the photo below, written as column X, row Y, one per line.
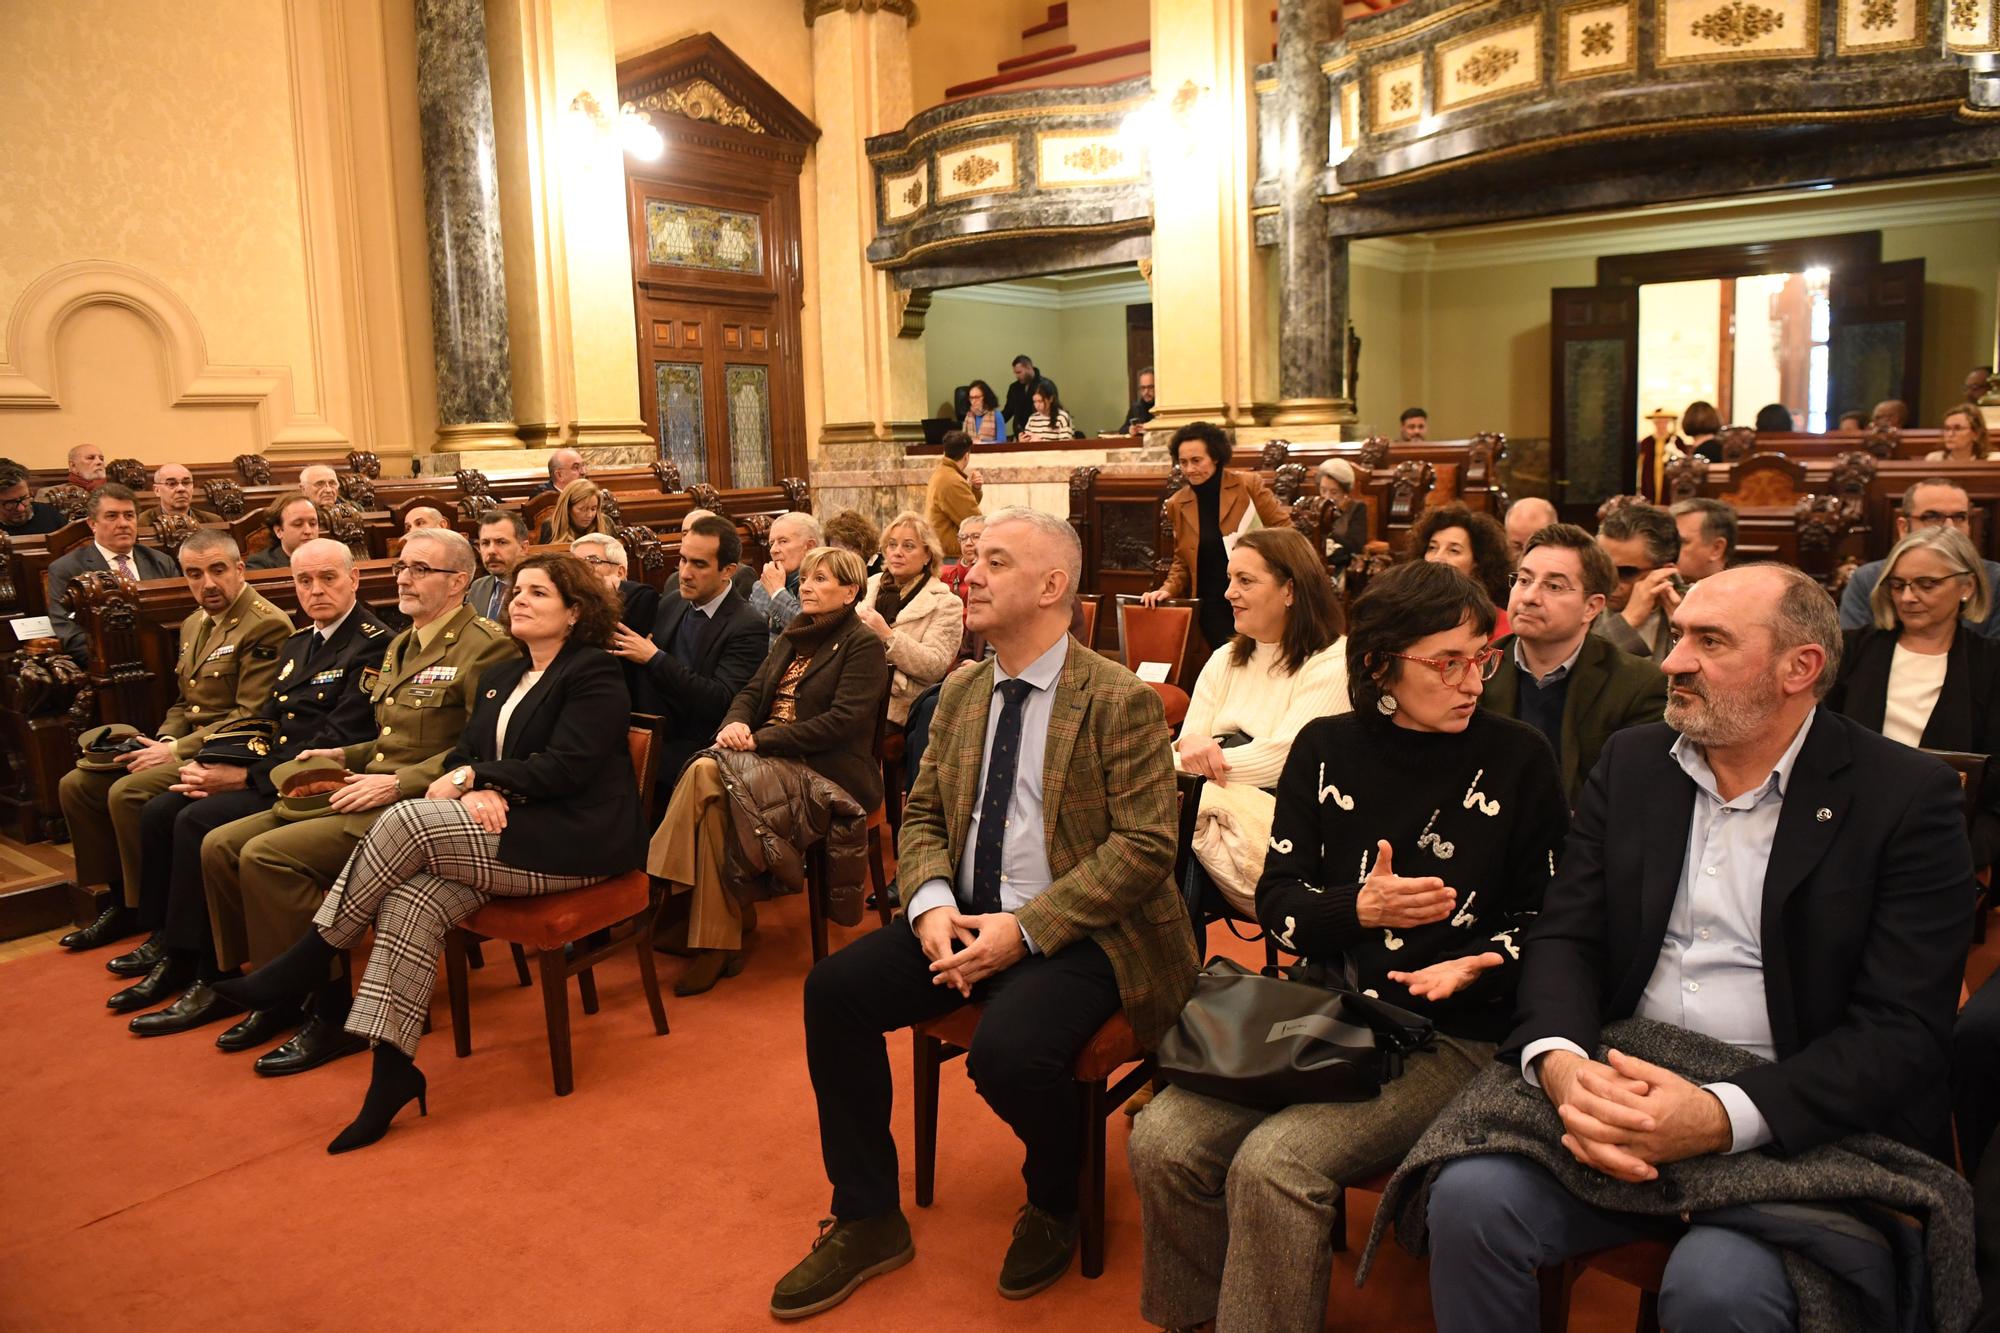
column 1965, row 14
column 974, row 170
column 1488, row 63
column 1737, row 23
column 815, row 8
column 1597, row 39
column 1878, row 13
column 700, row 100
column 1096, row 158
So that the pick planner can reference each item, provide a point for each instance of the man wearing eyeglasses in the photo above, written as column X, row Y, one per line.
column 266, row 874
column 21, row 515
column 607, row 559
column 174, row 485
column 1933, row 502
column 1555, row 675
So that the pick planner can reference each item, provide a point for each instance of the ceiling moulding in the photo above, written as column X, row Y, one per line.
column 1136, row 292
column 1396, row 254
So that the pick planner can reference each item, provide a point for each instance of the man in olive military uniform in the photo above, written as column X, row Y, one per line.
column 318, row 702
column 265, row 875
column 227, row 665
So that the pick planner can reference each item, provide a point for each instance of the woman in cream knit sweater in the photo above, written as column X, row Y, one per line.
column 919, row 620
column 1284, row 666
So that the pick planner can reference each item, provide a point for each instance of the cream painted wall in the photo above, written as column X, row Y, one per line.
column 1081, row 348
column 771, row 36
column 253, row 247
column 967, row 39
column 1474, row 304
column 111, row 147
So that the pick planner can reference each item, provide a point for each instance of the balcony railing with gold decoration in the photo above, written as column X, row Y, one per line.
column 1047, row 162
column 1531, row 87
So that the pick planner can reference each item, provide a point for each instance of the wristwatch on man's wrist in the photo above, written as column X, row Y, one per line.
column 461, row 778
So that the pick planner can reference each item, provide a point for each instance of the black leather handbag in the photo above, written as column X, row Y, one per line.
column 1270, row 1042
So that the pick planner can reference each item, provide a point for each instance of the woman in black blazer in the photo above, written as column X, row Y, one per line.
column 1920, row 674
column 537, row 797
column 815, row 700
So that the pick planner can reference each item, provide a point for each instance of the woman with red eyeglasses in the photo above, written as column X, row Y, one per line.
column 1411, row 844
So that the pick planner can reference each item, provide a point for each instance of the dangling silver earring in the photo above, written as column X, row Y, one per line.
column 1386, row 705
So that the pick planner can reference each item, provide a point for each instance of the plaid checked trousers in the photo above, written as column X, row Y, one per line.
column 424, row 867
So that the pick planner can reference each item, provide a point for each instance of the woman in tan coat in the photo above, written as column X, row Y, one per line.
column 1207, row 515
column 919, row 620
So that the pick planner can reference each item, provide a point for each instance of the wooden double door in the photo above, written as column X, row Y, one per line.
column 718, row 287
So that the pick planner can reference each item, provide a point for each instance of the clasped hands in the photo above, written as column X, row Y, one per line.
column 1201, row 756
column 1624, row 1117
column 150, row 754
column 989, row 943
column 488, row 808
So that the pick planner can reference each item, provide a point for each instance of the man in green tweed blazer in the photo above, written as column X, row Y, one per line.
column 1036, row 860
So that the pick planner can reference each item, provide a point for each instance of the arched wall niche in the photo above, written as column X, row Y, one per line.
column 53, row 383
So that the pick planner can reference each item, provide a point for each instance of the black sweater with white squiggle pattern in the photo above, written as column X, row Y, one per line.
column 1482, row 809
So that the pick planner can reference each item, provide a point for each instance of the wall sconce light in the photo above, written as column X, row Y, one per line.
column 636, row 133
column 1183, row 121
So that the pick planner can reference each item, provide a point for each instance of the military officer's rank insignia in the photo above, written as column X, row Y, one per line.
column 258, row 745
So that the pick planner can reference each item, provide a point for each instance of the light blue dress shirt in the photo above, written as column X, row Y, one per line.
column 1710, row 974
column 1024, row 852
column 778, row 608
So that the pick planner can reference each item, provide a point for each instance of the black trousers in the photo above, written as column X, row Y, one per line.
column 1975, row 1073
column 171, row 828
column 1039, row 1015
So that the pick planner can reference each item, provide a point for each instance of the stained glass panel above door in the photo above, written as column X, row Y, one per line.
column 696, row 236
column 677, row 398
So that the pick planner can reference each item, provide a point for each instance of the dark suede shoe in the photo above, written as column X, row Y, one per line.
column 708, row 967
column 138, row 962
column 1044, row 1243
column 318, row 1042
column 846, row 1255
column 196, row 1007
column 263, row 1025
column 113, row 923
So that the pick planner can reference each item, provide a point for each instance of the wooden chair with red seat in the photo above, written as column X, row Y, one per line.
column 1159, row 633
column 556, row 925
column 1113, row 1047
column 1091, row 604
column 1641, row 1264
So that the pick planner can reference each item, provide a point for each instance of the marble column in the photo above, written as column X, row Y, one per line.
column 462, row 215
column 1312, row 272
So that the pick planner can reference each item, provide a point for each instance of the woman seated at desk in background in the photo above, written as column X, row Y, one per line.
column 983, row 421
column 1050, row 421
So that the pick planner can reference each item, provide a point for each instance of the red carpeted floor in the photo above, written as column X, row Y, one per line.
column 160, row 1184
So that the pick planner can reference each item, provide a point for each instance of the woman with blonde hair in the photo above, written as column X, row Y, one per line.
column 1964, row 435
column 1920, row 673
column 797, row 745
column 910, row 609
column 579, row 511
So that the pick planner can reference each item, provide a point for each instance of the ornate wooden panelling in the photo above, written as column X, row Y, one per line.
column 989, row 166
column 1492, row 62
column 1702, row 31
column 716, row 239
column 1597, row 39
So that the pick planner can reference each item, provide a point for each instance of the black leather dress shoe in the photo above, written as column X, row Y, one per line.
column 113, row 923
column 197, row 1006
column 318, row 1042
column 262, row 1026
column 157, row 987
column 138, row 962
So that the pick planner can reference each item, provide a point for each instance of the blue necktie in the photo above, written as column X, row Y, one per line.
column 987, row 855
column 687, row 637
